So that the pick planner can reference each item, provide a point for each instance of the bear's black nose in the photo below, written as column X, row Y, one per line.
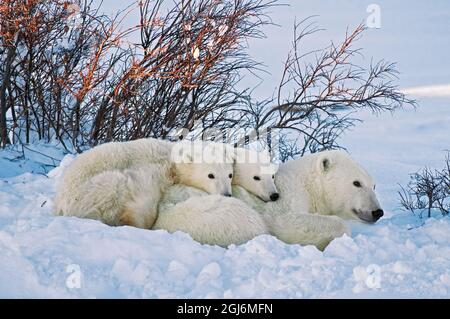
column 227, row 195
column 274, row 196
column 377, row 214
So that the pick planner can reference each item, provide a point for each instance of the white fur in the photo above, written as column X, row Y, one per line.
column 254, row 172
column 209, row 219
column 218, row 220
column 322, row 183
column 310, row 187
column 121, row 183
column 196, row 162
column 128, row 197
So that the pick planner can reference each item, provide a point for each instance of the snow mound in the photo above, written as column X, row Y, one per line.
column 47, row 256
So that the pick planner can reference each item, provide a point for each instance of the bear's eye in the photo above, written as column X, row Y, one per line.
column 374, row 187
column 211, row 176
column 357, row 184
column 256, row 178
column 230, row 176
column 273, row 176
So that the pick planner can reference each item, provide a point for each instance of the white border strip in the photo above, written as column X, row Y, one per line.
column 429, row 91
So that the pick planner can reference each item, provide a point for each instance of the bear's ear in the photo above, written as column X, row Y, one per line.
column 324, row 164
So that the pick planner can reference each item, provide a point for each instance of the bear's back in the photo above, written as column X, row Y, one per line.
column 116, row 156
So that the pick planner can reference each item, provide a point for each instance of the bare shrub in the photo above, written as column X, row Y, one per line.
column 320, row 89
column 427, row 189
column 69, row 73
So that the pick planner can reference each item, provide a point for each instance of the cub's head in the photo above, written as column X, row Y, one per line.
column 349, row 191
column 206, row 166
column 254, row 172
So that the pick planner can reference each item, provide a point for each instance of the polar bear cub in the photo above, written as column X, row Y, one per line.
column 205, row 165
column 208, row 219
column 122, row 183
column 216, row 219
column 255, row 172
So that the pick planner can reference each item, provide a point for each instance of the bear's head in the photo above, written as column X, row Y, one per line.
column 254, row 172
column 203, row 165
column 347, row 190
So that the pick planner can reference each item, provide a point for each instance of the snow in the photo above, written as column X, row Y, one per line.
column 401, row 256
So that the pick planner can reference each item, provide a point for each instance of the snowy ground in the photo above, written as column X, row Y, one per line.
column 401, row 256
column 42, row 255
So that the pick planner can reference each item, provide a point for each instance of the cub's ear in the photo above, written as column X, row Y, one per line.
column 324, row 164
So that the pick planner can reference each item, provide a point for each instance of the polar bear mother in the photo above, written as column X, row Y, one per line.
column 324, row 183
column 316, row 192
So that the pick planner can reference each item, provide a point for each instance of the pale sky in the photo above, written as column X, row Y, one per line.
column 415, row 34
